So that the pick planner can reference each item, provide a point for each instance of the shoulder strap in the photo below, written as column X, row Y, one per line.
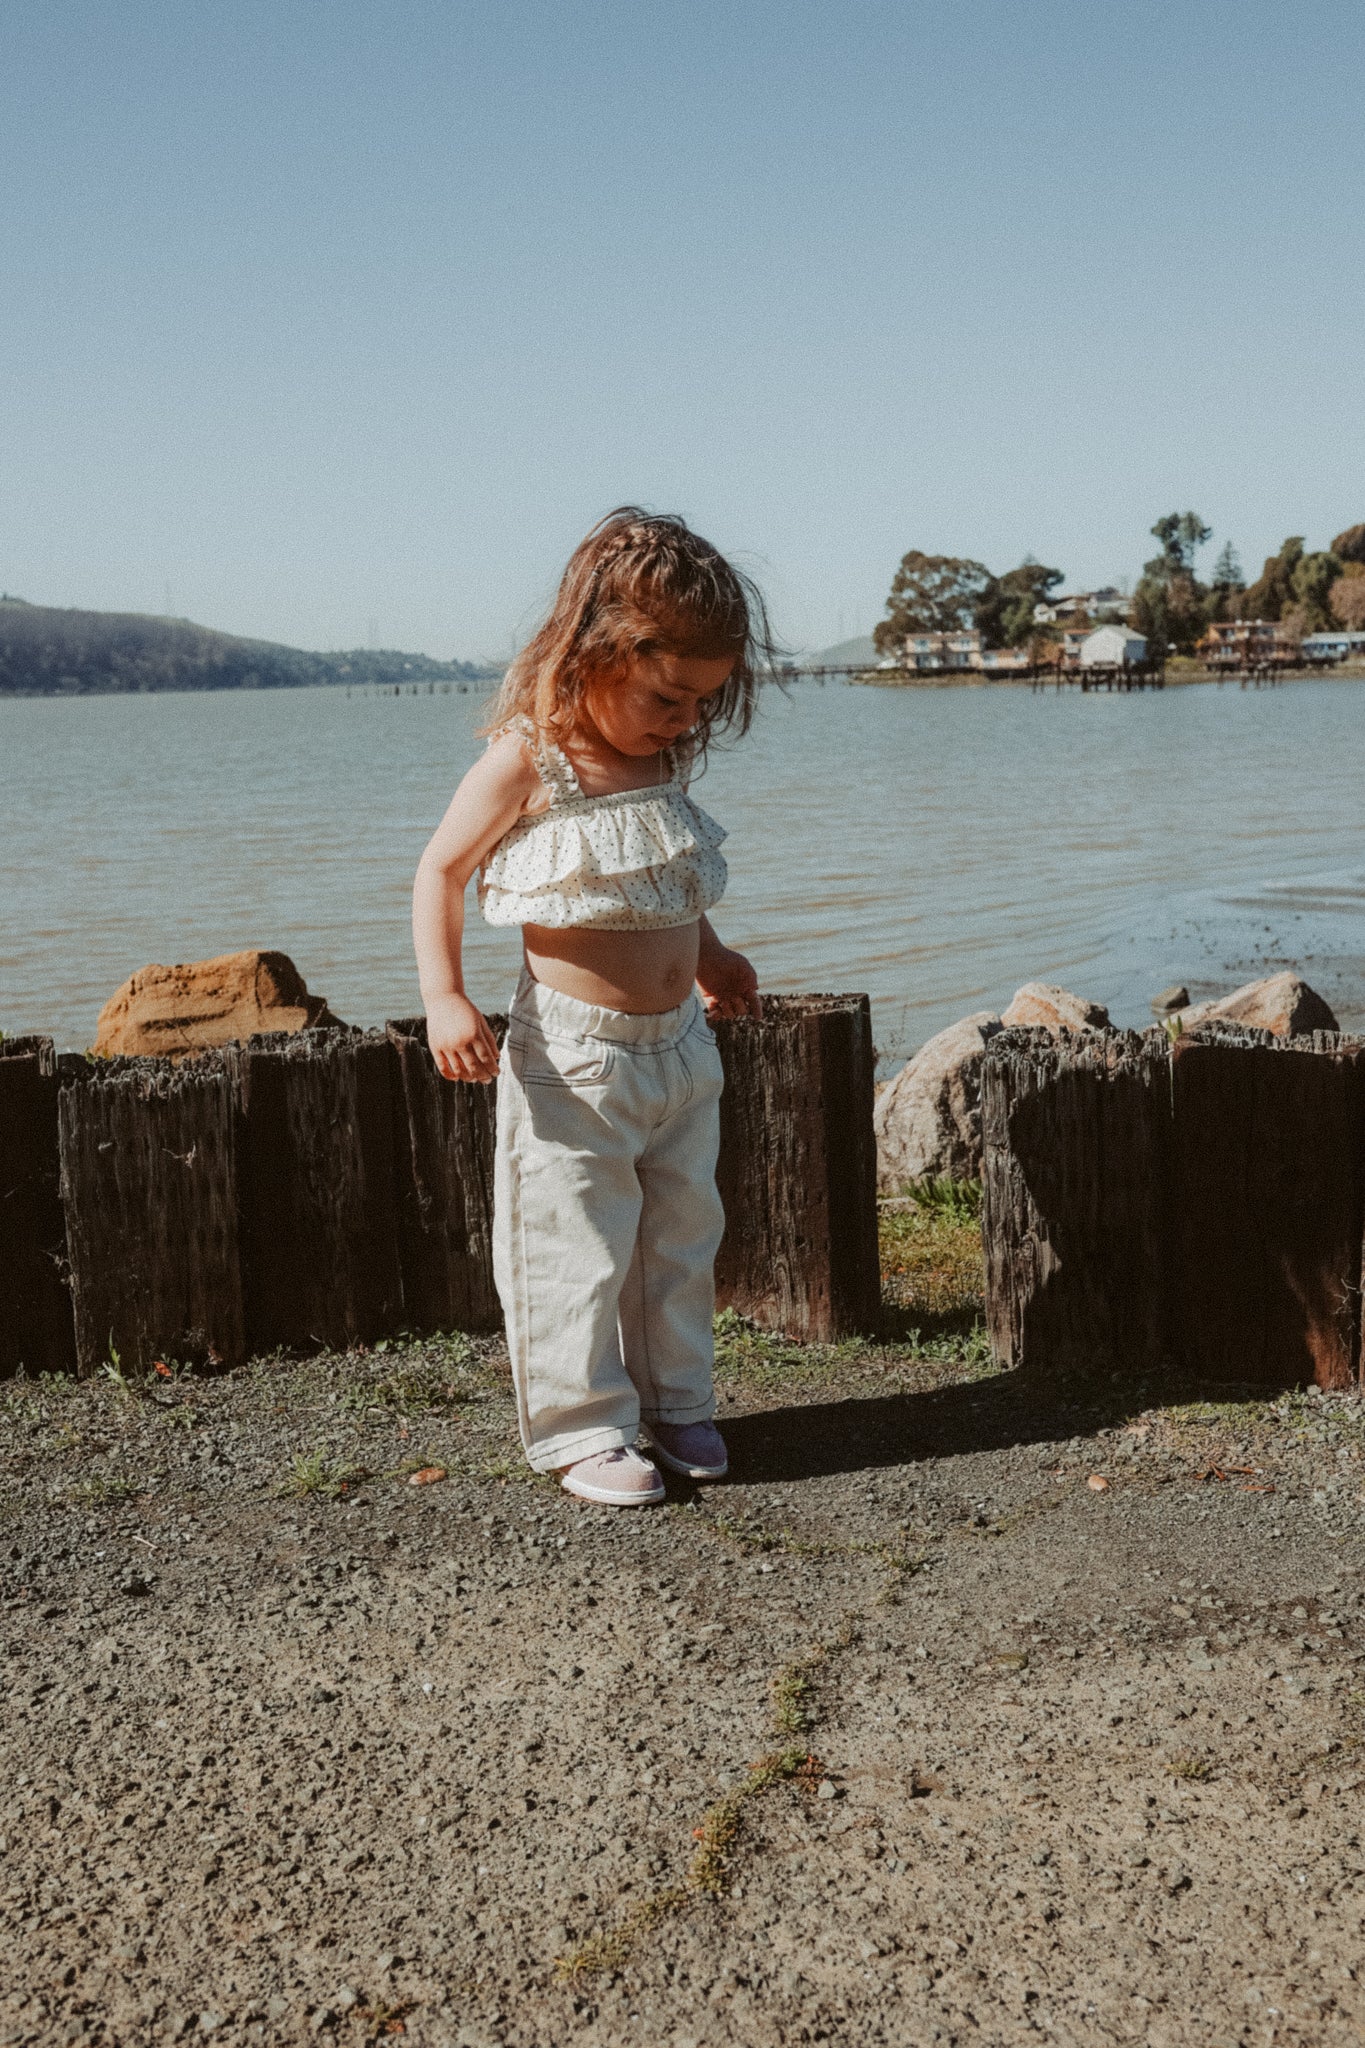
column 551, row 765
column 555, row 771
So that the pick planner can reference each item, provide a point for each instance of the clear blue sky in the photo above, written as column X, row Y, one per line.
column 327, row 317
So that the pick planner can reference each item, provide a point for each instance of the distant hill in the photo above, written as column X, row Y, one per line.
column 48, row 652
column 846, row 654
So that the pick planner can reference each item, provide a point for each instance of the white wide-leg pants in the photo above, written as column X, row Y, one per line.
column 606, row 1219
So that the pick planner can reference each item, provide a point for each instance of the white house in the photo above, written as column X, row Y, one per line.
column 1108, row 603
column 959, row 651
column 1339, row 646
column 1112, row 647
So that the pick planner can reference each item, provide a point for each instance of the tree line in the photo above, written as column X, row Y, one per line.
column 46, row 651
column 1170, row 606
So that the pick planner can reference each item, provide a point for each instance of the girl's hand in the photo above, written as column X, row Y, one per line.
column 462, row 1044
column 728, row 983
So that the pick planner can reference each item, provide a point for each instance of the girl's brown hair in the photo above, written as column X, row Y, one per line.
column 641, row 582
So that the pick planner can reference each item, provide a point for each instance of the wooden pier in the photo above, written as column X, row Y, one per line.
column 1105, row 676
column 1145, row 675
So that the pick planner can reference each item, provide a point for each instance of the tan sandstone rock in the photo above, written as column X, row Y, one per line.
column 1282, row 1004
column 928, row 1121
column 1055, row 1009
column 175, row 1011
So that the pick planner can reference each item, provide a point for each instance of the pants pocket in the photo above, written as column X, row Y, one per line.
column 539, row 1061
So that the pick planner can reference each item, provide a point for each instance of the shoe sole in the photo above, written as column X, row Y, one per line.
column 692, row 1471
column 603, row 1497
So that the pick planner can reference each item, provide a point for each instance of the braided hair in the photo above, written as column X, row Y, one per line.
column 641, row 582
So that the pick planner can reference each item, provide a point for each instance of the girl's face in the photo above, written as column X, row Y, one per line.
column 656, row 702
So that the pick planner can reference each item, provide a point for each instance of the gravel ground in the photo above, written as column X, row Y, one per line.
column 910, row 1733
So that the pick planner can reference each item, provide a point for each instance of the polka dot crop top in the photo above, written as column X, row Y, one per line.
column 633, row 860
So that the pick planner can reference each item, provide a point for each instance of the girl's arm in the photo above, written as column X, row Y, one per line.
column 725, row 978
column 498, row 788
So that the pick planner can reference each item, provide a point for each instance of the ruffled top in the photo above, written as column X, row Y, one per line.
column 634, row 860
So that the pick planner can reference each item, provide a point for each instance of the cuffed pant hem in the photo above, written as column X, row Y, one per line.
column 567, row 1450
column 700, row 1411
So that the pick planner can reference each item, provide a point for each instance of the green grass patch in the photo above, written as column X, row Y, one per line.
column 101, row 1490
column 933, row 1273
column 320, row 1475
column 410, row 1386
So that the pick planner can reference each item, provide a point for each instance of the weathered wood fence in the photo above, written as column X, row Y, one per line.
column 1200, row 1203
column 326, row 1188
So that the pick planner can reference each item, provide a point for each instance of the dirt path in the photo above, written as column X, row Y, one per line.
column 907, row 1735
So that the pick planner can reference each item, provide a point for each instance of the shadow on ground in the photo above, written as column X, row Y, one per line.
column 865, row 1432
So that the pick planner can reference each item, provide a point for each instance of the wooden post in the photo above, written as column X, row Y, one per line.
column 37, row 1333
column 1269, row 1192
column 149, row 1185
column 797, row 1169
column 319, row 1240
column 1077, row 1145
column 443, row 1169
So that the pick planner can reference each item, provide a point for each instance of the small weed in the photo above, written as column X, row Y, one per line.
column 793, row 1689
column 101, row 1491
column 114, row 1373
column 709, row 1869
column 1233, row 1416
column 952, row 1201
column 516, row 1471
column 1188, row 1764
column 317, row 1472
column 27, row 1399
column 417, row 1386
column 384, row 2021
column 611, row 1949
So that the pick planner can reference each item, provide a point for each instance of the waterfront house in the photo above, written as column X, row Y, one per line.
column 1248, row 643
column 943, row 651
column 950, row 653
column 1339, row 645
column 1095, row 605
column 1112, row 647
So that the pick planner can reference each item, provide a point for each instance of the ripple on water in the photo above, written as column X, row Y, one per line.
column 935, row 847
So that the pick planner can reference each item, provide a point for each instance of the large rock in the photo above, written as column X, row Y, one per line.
column 174, row 1011
column 1055, row 1009
column 1282, row 1004
column 928, row 1121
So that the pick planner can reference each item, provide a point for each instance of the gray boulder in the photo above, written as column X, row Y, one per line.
column 928, row 1120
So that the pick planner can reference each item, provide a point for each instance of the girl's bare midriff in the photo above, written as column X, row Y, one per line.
column 642, row 972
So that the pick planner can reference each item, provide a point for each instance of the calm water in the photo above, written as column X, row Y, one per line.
column 934, row 847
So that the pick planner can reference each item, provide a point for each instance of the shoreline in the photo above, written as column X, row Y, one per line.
column 970, row 680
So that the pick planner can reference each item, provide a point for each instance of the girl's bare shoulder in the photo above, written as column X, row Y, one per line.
column 508, row 770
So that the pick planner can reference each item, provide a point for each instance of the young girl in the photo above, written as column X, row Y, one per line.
column 606, row 1216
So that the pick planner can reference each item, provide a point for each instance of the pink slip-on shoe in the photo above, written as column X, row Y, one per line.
column 696, row 1449
column 615, row 1479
